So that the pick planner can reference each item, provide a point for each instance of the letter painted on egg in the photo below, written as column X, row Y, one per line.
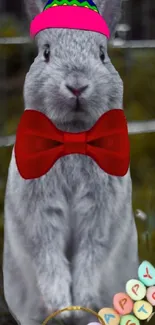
column 128, row 323
column 135, row 288
column 142, row 309
column 123, row 302
column 147, row 275
column 107, row 317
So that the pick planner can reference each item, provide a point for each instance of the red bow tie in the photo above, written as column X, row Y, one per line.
column 39, row 144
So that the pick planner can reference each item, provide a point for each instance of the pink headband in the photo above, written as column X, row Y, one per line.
column 72, row 17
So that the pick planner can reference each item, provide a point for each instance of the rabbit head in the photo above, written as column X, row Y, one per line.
column 68, row 60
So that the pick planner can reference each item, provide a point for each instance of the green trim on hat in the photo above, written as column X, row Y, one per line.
column 84, row 4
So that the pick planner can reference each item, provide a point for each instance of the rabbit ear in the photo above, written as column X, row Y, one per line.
column 111, row 12
column 33, row 7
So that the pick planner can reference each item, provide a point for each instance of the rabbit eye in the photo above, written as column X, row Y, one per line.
column 102, row 54
column 47, row 53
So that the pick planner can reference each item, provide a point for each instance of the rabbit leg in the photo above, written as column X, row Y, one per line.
column 99, row 271
column 87, row 274
column 44, row 269
column 88, row 280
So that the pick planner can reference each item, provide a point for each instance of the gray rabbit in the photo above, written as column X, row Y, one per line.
column 70, row 235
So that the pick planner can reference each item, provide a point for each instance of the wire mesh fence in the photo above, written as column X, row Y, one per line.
column 116, row 43
column 134, row 127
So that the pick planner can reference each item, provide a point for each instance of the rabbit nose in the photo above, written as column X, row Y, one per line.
column 77, row 91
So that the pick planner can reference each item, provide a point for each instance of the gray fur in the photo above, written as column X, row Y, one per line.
column 70, row 236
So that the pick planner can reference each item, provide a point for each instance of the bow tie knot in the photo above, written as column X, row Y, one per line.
column 75, row 143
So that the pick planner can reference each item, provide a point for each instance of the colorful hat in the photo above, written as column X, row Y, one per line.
column 72, row 14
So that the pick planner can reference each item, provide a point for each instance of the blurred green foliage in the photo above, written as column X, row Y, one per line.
column 137, row 69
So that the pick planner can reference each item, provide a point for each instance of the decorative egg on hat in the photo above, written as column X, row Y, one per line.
column 71, row 14
column 80, row 3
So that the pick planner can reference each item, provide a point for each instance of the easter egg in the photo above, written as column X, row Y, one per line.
column 122, row 303
column 150, row 295
column 146, row 274
column 129, row 320
column 94, row 323
column 109, row 316
column 142, row 309
column 135, row 289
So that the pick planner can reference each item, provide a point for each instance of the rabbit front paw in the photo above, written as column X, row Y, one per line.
column 57, row 296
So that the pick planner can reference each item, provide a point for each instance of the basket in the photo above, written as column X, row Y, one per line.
column 71, row 308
